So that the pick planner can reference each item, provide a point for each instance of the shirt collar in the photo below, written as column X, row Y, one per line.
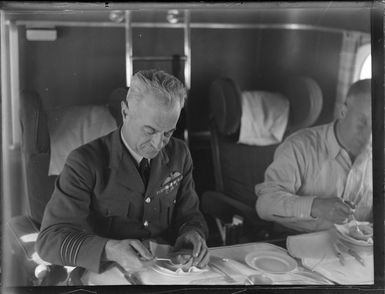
column 334, row 148
column 138, row 158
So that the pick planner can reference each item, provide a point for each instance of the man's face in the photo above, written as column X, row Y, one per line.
column 359, row 120
column 148, row 125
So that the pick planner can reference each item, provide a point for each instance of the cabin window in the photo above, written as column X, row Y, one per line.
column 363, row 63
column 355, row 64
column 366, row 68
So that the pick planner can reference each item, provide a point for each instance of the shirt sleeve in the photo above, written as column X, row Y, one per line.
column 65, row 236
column 188, row 214
column 277, row 195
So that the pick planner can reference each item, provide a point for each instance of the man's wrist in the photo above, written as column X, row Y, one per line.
column 304, row 207
column 188, row 229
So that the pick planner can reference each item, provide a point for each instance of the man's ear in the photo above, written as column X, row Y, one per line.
column 343, row 110
column 124, row 107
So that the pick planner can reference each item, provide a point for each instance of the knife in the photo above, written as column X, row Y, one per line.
column 350, row 251
column 221, row 265
column 129, row 276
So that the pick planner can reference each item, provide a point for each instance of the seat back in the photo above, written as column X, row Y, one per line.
column 239, row 167
column 36, row 153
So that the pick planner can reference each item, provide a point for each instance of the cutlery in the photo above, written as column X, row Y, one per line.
column 350, row 251
column 227, row 277
column 130, row 276
column 178, row 265
column 165, row 259
column 339, row 254
column 220, row 264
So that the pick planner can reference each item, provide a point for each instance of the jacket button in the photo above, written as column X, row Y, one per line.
column 145, row 223
column 148, row 200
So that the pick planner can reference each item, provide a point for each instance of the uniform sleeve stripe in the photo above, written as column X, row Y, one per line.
column 62, row 248
column 79, row 244
column 68, row 241
column 71, row 241
column 76, row 241
column 70, row 246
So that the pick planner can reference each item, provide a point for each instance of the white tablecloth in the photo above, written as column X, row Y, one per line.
column 316, row 253
column 227, row 266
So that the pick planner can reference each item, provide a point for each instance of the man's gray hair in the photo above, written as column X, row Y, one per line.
column 162, row 84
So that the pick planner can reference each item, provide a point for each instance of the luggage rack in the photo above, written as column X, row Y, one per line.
column 130, row 58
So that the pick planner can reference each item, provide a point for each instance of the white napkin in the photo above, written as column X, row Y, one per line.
column 264, row 118
column 160, row 250
column 71, row 127
column 317, row 254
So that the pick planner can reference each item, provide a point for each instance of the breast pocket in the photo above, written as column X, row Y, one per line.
column 108, row 209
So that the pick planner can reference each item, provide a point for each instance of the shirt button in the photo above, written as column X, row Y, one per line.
column 148, row 200
column 145, row 223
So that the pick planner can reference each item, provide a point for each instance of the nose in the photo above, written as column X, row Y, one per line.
column 156, row 141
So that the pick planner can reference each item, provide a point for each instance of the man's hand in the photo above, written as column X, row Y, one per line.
column 128, row 253
column 200, row 253
column 331, row 209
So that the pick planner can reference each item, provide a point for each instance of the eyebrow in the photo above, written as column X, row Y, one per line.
column 152, row 128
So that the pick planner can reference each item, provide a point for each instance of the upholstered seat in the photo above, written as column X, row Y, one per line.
column 36, row 137
column 239, row 167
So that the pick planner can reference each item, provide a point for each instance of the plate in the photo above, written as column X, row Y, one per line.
column 271, row 262
column 343, row 233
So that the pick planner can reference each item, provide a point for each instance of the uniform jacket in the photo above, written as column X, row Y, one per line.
column 100, row 195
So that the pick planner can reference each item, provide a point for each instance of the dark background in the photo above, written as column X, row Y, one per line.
column 85, row 64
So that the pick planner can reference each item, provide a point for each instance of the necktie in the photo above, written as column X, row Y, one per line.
column 144, row 169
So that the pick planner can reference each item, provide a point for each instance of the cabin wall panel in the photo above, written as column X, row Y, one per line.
column 82, row 66
column 159, row 43
column 259, row 59
column 218, row 53
column 85, row 64
column 303, row 53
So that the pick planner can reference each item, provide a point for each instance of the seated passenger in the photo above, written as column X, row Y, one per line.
column 107, row 204
column 320, row 176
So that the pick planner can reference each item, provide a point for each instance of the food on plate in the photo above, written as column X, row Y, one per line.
column 185, row 267
column 361, row 232
column 192, row 269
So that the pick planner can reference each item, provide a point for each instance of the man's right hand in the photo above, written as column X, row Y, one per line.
column 331, row 209
column 128, row 253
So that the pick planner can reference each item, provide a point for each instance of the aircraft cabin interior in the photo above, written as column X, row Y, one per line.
column 67, row 67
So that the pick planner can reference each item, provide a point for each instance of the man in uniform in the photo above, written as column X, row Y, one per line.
column 127, row 187
column 321, row 175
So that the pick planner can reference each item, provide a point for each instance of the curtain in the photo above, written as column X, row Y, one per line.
column 351, row 42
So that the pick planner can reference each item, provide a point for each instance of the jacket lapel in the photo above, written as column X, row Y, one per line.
column 123, row 166
column 160, row 169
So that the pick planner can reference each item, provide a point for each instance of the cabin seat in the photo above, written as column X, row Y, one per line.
column 26, row 268
column 239, row 167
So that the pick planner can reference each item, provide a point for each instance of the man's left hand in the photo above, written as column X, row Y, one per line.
column 200, row 253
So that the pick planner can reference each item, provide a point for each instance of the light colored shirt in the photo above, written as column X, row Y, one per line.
column 310, row 163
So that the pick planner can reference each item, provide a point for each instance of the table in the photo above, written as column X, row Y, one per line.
column 230, row 260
